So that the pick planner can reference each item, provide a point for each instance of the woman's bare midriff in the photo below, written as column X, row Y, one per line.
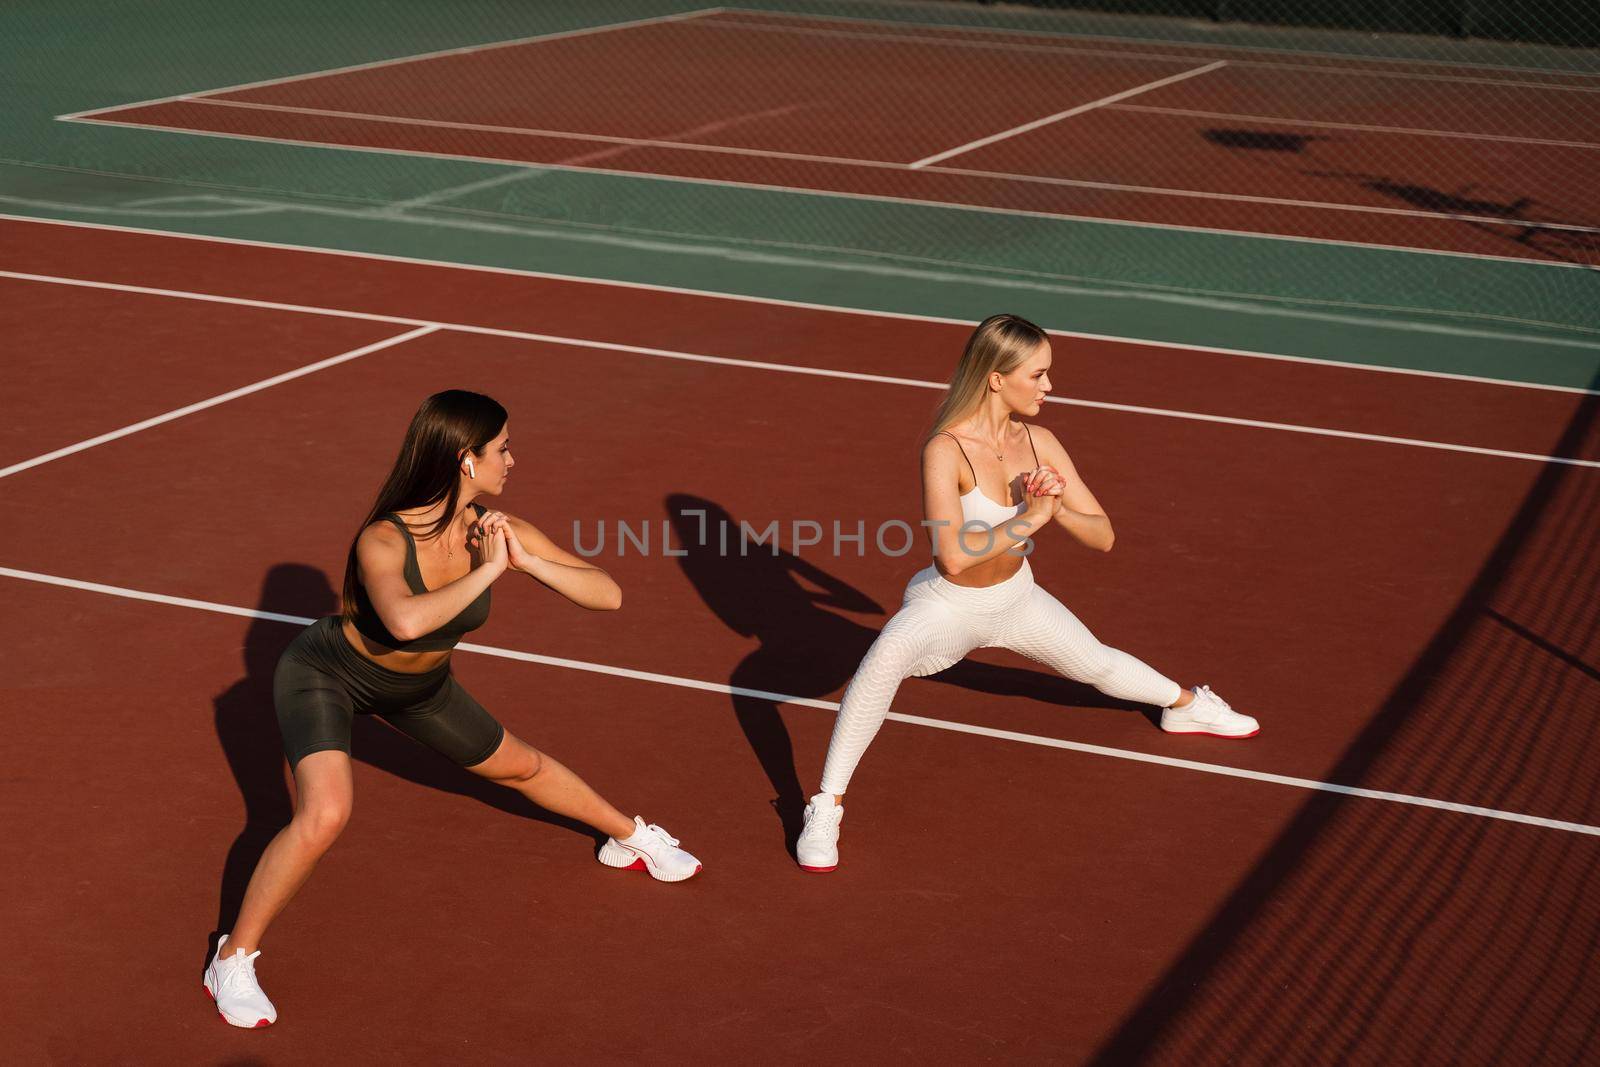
column 989, row 572
column 392, row 659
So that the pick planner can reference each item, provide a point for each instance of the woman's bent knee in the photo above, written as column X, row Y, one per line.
column 896, row 653
column 528, row 766
column 890, row 657
column 515, row 763
column 319, row 825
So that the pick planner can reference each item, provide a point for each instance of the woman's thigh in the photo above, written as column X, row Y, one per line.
column 314, row 708
column 451, row 723
column 514, row 759
column 925, row 636
column 1044, row 630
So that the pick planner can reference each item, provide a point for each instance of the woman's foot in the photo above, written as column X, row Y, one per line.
column 650, row 848
column 231, row 981
column 1208, row 713
column 818, row 847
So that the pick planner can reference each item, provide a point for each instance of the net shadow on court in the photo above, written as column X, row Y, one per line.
column 1373, row 932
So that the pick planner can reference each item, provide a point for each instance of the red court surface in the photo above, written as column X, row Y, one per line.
column 164, row 356
column 1407, row 619
column 1474, row 161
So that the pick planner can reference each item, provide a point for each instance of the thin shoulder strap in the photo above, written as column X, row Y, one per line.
column 953, row 437
column 1030, row 444
column 412, row 569
column 411, row 542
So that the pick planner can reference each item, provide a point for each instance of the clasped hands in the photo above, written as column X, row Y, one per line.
column 496, row 543
column 1043, row 486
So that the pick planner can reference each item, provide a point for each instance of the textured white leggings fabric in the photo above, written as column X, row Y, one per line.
column 940, row 622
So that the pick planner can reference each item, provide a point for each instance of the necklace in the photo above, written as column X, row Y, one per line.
column 999, row 453
column 449, row 542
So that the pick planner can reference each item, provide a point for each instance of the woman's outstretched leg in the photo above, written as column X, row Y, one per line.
column 551, row 785
column 1044, row 630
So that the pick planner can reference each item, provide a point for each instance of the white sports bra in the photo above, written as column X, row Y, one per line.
column 978, row 505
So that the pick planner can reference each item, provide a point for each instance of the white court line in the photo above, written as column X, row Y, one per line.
column 842, row 161
column 792, row 255
column 789, row 368
column 374, row 64
column 981, row 209
column 1276, row 201
column 1067, row 114
column 1453, row 134
column 715, row 126
column 220, row 398
column 725, row 23
column 532, row 131
column 829, row 705
column 951, row 42
column 880, row 264
column 771, row 301
column 1412, row 442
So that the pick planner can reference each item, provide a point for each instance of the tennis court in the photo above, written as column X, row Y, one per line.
column 1359, row 496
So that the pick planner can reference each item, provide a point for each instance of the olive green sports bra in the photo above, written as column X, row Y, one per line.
column 370, row 626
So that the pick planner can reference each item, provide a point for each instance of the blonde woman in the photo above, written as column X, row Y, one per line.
column 990, row 483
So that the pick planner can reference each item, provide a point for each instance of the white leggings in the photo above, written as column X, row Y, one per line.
column 940, row 622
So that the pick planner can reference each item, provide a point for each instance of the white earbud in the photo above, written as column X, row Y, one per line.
column 472, row 472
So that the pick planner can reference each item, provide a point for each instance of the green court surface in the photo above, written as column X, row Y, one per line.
column 1535, row 320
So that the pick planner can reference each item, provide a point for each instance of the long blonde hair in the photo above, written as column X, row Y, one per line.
column 1000, row 343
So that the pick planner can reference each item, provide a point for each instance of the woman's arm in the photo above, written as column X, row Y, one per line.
column 380, row 563
column 575, row 578
column 1080, row 513
column 941, row 507
column 837, row 594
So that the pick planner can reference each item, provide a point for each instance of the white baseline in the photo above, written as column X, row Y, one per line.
column 803, row 305
column 787, row 368
column 829, row 705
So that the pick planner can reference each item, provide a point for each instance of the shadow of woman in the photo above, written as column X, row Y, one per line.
column 1045, row 686
column 247, row 728
column 804, row 649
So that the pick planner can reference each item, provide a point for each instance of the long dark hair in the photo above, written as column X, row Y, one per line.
column 426, row 470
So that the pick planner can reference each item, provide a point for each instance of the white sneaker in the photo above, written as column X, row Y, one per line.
column 650, row 848
column 231, row 981
column 1208, row 713
column 818, row 847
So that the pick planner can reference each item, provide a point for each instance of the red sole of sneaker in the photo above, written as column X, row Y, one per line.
column 259, row 1022
column 639, row 865
column 816, row 870
column 1208, row 733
